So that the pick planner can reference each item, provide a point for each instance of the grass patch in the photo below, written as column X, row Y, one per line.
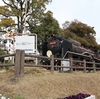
column 39, row 83
column 18, row 97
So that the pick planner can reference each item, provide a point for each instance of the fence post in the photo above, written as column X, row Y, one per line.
column 52, row 64
column 71, row 64
column 94, row 66
column 84, row 65
column 17, row 66
column 22, row 55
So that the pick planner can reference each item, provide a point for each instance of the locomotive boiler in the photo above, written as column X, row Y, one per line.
column 64, row 48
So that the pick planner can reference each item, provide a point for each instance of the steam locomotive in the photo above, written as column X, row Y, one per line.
column 64, row 48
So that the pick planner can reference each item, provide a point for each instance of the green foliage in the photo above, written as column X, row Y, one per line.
column 6, row 20
column 80, row 32
column 2, row 53
column 5, row 11
column 48, row 26
column 18, row 97
column 33, row 13
column 79, row 28
column 25, row 11
column 6, row 68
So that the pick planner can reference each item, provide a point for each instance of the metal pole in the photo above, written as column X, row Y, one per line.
column 36, row 47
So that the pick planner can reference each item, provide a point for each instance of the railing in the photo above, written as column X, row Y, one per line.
column 19, row 63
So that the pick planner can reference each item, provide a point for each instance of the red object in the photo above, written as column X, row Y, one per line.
column 51, row 43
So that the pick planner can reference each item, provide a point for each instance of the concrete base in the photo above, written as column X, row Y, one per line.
column 91, row 97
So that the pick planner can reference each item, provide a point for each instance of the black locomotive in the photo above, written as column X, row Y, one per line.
column 64, row 48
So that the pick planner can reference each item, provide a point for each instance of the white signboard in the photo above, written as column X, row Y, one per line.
column 26, row 43
column 65, row 64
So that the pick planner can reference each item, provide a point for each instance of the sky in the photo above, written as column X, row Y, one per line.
column 85, row 11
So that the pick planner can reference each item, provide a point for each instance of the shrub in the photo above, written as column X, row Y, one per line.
column 78, row 96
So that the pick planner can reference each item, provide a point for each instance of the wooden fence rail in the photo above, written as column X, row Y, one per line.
column 19, row 63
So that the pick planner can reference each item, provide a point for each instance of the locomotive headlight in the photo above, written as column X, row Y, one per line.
column 49, row 53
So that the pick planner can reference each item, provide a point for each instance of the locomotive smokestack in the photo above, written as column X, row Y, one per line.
column 52, row 35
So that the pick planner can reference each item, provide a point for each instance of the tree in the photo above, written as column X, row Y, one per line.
column 2, row 52
column 32, row 15
column 81, row 32
column 6, row 20
column 26, row 12
column 48, row 26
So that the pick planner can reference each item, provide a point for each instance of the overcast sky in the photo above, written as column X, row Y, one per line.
column 86, row 11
